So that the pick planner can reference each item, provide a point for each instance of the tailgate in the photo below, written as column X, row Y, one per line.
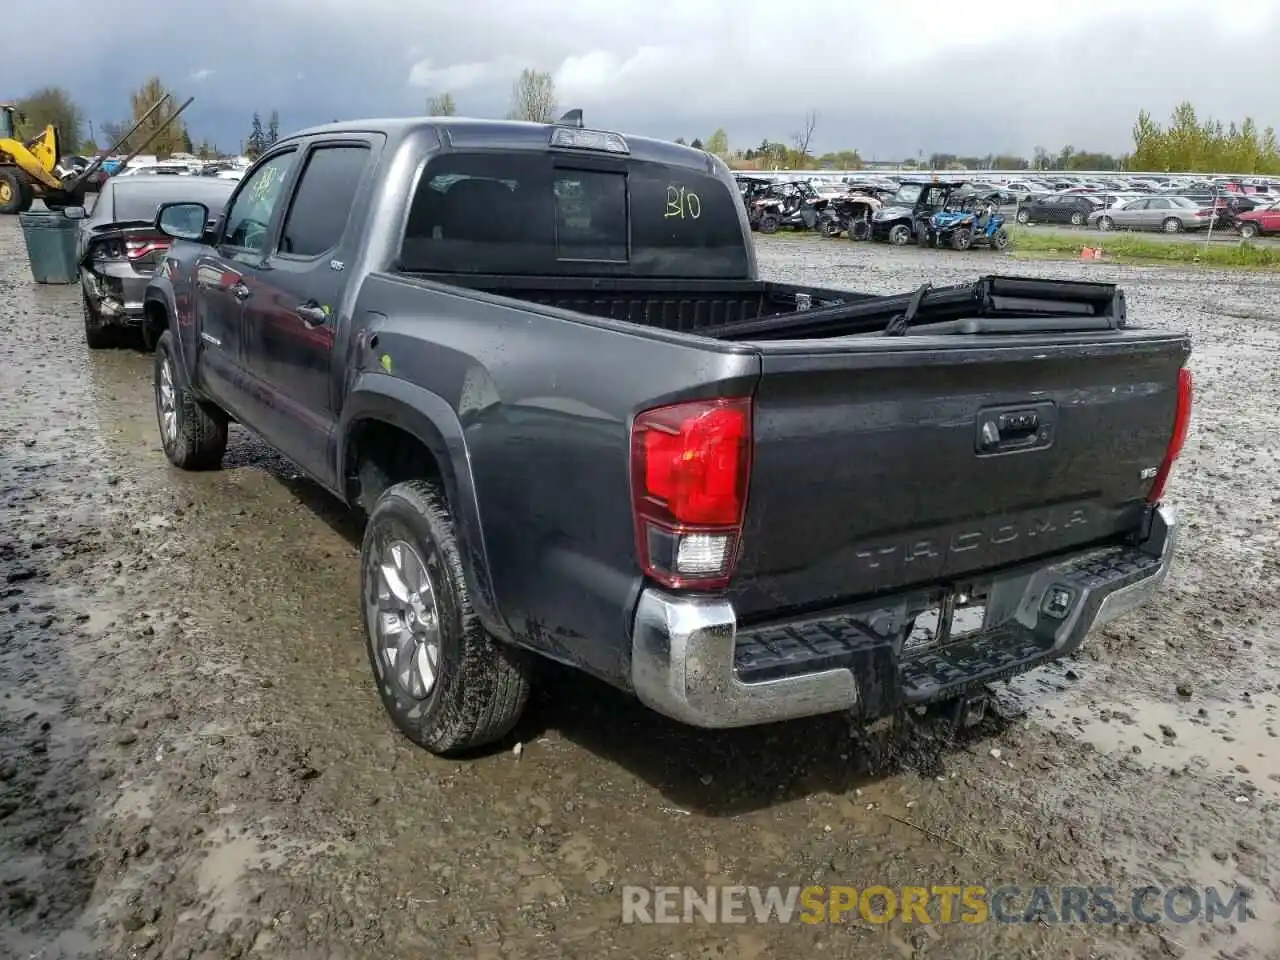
column 893, row 462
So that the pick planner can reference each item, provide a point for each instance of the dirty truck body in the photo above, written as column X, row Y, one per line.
column 540, row 359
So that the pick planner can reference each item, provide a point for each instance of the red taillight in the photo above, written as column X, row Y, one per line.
column 690, row 467
column 135, row 248
column 1181, row 423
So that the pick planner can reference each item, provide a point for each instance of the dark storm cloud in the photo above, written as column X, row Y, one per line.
column 891, row 81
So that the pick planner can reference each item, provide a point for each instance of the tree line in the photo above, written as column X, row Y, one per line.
column 1185, row 144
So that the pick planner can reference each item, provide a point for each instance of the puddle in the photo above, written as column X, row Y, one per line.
column 1224, row 723
column 222, row 874
column 1215, row 739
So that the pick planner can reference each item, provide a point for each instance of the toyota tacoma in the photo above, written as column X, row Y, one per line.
column 540, row 360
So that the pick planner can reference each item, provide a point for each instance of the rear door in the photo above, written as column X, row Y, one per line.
column 291, row 319
column 1049, row 209
column 874, row 467
column 1158, row 210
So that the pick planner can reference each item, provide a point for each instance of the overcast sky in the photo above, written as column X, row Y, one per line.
column 891, row 79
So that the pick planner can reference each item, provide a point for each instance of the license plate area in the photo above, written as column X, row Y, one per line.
column 956, row 616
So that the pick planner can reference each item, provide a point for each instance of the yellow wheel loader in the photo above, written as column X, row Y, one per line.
column 31, row 170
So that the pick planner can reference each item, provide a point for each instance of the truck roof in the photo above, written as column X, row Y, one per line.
column 469, row 133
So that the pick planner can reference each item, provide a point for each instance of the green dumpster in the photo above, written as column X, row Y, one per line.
column 51, row 245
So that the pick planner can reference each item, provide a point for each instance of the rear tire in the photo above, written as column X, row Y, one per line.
column 98, row 335
column 769, row 223
column 1077, row 219
column 1023, row 217
column 1001, row 239
column 194, row 437
column 1105, row 223
column 1172, row 225
column 1248, row 230
column 445, row 683
column 860, row 230
column 15, row 194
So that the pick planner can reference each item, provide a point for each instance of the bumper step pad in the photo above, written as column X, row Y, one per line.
column 889, row 679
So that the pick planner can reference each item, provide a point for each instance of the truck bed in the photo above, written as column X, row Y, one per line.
column 1019, row 419
column 762, row 310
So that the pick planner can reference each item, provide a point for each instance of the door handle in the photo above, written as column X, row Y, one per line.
column 312, row 314
column 240, row 291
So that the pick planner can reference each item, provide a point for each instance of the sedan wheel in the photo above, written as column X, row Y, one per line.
column 1173, row 225
column 1248, row 230
column 1023, row 216
column 1077, row 219
column 1106, row 223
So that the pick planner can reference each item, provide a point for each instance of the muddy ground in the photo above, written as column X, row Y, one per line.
column 193, row 762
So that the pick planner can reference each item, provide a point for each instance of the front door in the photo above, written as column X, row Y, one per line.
column 227, row 278
column 1131, row 214
column 291, row 321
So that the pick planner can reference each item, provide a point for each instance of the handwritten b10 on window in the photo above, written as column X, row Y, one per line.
column 682, row 203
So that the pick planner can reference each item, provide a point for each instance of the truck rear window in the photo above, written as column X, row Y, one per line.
column 543, row 214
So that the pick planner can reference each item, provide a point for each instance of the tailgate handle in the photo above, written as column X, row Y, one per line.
column 1007, row 429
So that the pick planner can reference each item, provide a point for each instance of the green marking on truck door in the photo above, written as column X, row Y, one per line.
column 386, row 362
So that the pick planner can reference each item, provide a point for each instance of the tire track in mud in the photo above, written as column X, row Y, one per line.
column 113, row 691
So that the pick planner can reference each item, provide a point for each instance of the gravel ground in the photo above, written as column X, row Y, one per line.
column 194, row 764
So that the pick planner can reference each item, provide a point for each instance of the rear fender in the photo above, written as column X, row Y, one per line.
column 429, row 417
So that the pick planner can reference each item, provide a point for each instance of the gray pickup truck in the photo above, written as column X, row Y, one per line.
column 539, row 358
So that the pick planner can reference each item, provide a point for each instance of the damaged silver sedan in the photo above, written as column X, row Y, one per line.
column 119, row 248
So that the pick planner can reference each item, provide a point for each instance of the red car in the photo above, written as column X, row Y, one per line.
column 1260, row 220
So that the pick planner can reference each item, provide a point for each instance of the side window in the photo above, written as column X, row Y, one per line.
column 323, row 200
column 250, row 214
column 591, row 215
column 1159, row 205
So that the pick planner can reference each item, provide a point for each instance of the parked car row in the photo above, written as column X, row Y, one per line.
column 1170, row 213
column 890, row 207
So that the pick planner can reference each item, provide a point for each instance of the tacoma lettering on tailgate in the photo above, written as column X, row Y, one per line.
column 998, row 531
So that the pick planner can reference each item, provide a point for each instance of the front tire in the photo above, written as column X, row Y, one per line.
column 1172, row 225
column 1248, row 230
column 1023, row 217
column 962, row 239
column 1105, row 223
column 442, row 679
column 769, row 224
column 1001, row 239
column 1077, row 219
column 899, row 234
column 193, row 436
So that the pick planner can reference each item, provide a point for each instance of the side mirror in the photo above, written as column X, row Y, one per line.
column 182, row 221
column 74, row 213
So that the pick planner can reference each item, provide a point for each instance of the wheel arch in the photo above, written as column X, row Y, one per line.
column 159, row 313
column 391, row 431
